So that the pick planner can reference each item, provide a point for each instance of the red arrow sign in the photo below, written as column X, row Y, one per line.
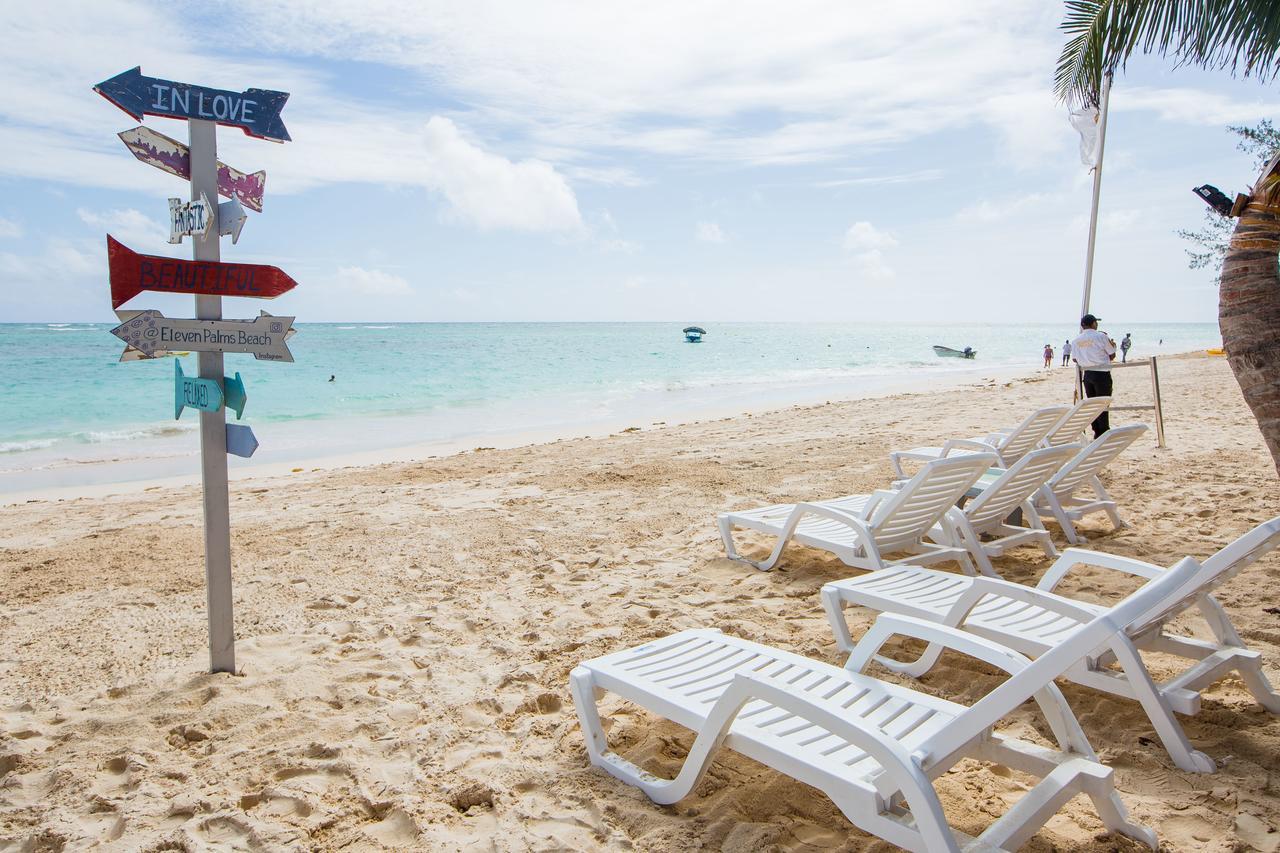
column 132, row 273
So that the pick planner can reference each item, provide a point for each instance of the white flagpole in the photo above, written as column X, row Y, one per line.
column 1097, row 190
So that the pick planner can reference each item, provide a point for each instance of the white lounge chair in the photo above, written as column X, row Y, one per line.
column 1058, row 500
column 859, row 529
column 1036, row 620
column 989, row 513
column 1009, row 446
column 1074, row 422
column 873, row 747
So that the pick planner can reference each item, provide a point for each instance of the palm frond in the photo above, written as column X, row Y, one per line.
column 1242, row 36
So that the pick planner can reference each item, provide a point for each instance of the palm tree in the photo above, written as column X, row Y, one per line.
column 1242, row 36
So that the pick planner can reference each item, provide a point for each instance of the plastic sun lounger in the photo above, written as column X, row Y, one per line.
column 1008, row 446
column 1035, row 621
column 873, row 747
column 859, row 529
column 989, row 513
column 1074, row 422
column 1057, row 499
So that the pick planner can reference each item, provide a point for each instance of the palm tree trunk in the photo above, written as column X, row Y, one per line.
column 1249, row 309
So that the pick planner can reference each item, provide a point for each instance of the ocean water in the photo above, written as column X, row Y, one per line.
column 73, row 414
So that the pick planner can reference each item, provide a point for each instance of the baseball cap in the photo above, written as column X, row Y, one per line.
column 1089, row 320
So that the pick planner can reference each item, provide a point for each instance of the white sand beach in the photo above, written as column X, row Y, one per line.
column 406, row 630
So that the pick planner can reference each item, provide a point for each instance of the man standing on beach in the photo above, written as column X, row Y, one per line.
column 1066, row 353
column 1124, row 347
column 1094, row 352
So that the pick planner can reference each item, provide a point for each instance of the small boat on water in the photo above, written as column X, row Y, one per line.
column 693, row 334
column 948, row 352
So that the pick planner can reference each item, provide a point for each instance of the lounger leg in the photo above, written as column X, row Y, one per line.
column 731, row 551
column 1108, row 505
column 661, row 791
column 835, row 615
column 1167, row 727
column 1115, row 816
column 1250, row 668
column 1044, row 540
column 1064, row 521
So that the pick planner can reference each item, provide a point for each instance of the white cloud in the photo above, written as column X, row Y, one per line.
column 372, row 282
column 867, row 245
column 863, row 236
column 132, row 227
column 10, row 229
column 489, row 191
column 710, row 232
column 994, row 210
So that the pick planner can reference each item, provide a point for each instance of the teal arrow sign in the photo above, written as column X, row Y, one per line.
column 202, row 394
column 241, row 440
column 233, row 390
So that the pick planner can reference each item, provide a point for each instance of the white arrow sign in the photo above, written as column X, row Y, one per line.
column 189, row 217
column 151, row 332
column 231, row 217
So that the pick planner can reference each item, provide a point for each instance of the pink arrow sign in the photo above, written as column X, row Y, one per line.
column 170, row 155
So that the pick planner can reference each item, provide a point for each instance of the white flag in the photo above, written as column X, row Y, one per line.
column 1085, row 121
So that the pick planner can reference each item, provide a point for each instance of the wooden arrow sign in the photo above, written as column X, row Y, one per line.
column 231, row 217
column 151, row 331
column 240, row 440
column 132, row 273
column 255, row 111
column 189, row 218
column 170, row 155
column 202, row 394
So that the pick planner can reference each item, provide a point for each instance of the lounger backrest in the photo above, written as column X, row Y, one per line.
column 1093, row 458
column 1067, row 430
column 1213, row 573
column 902, row 520
column 1026, row 435
column 1017, row 484
column 1081, row 642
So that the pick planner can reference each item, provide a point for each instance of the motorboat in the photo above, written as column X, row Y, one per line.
column 948, row 352
column 693, row 334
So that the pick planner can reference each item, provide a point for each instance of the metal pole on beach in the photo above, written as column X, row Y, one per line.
column 213, row 425
column 1097, row 191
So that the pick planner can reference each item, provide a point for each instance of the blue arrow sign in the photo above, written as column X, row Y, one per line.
column 233, row 391
column 241, row 440
column 202, row 394
column 255, row 111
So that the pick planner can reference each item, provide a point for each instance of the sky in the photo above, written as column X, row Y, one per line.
column 676, row 161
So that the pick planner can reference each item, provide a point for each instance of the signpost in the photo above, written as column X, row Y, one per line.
column 170, row 155
column 231, row 217
column 132, row 273
column 241, row 441
column 149, row 333
column 255, row 111
column 202, row 394
column 189, row 218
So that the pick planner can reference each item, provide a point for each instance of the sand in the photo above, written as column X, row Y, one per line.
column 406, row 632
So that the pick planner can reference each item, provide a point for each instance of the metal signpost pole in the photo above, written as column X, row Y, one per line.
column 213, row 425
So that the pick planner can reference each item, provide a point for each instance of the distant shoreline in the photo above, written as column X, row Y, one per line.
column 767, row 400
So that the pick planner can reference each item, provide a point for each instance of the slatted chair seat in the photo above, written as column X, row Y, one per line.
column 873, row 747
column 1036, row 620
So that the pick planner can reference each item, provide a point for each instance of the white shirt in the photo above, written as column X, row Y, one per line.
column 1092, row 350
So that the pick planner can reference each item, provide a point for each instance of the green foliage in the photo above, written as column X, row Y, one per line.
column 1240, row 35
column 1262, row 142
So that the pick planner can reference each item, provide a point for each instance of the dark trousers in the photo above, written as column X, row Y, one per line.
column 1097, row 383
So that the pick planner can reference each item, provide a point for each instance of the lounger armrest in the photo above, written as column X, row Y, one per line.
column 1073, row 557
column 888, row 625
column 979, row 717
column 858, row 524
column 967, row 444
column 982, row 587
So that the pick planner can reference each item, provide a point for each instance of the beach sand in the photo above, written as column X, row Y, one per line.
column 406, row 633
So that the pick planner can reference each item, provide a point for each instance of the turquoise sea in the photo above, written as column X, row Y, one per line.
column 73, row 414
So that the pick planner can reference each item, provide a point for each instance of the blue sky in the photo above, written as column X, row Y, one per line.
column 658, row 161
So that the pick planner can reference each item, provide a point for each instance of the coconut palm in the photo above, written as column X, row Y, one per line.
column 1243, row 37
